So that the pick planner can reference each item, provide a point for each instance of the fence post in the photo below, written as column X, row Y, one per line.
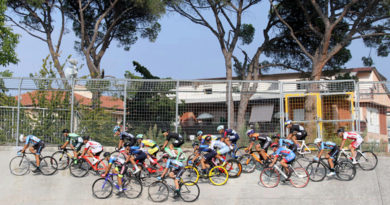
column 18, row 115
column 72, row 107
column 124, row 105
column 229, row 102
column 12, row 122
column 281, row 108
column 177, row 106
column 357, row 106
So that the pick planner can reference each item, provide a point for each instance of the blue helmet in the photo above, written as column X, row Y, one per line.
column 250, row 132
column 199, row 133
column 116, row 129
column 288, row 122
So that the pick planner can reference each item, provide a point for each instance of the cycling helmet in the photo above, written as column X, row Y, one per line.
column 65, row 131
column 288, row 122
column 85, row 137
column 220, row 128
column 116, row 129
column 317, row 140
column 250, row 132
column 199, row 133
column 106, row 154
column 21, row 138
column 274, row 145
column 341, row 129
column 207, row 138
column 127, row 144
column 139, row 136
column 164, row 130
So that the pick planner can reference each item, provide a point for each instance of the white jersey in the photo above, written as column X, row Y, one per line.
column 95, row 146
column 351, row 135
column 216, row 144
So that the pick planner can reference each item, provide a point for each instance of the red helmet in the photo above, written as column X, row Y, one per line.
column 274, row 145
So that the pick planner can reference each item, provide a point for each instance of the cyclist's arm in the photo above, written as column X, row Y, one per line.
column 165, row 144
column 64, row 145
column 120, row 144
column 274, row 161
column 249, row 148
column 320, row 153
column 342, row 144
column 24, row 148
column 84, row 151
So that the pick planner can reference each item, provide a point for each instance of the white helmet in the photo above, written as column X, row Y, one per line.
column 220, row 128
column 317, row 140
column 21, row 138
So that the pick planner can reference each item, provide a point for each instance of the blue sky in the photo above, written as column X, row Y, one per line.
column 183, row 50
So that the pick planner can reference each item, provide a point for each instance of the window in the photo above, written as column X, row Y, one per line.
column 372, row 120
column 208, row 91
column 301, row 86
column 236, row 89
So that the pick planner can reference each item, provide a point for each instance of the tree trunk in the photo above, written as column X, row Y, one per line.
column 229, row 91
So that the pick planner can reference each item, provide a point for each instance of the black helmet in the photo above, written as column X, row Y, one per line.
column 207, row 138
column 164, row 130
column 85, row 137
column 106, row 154
column 127, row 144
column 341, row 129
column 65, row 131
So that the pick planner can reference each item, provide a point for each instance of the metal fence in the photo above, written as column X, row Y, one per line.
column 44, row 107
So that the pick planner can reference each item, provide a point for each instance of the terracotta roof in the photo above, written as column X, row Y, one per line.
column 106, row 101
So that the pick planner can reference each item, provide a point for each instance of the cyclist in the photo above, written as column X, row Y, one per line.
column 177, row 170
column 356, row 141
column 124, row 136
column 289, row 156
column 262, row 147
column 137, row 155
column 203, row 146
column 287, row 143
column 75, row 142
column 152, row 145
column 334, row 150
column 119, row 162
column 216, row 149
column 229, row 136
column 37, row 147
column 297, row 132
column 178, row 141
column 92, row 148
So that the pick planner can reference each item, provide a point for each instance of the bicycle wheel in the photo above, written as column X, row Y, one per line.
column 48, row 165
column 190, row 174
column 345, row 171
column 367, row 160
column 189, row 191
column 240, row 151
column 79, row 169
column 269, row 177
column 190, row 160
column 248, row 163
column 316, row 171
column 102, row 188
column 132, row 187
column 299, row 178
column 218, row 175
column 158, row 191
column 233, row 167
column 100, row 168
column 19, row 165
column 62, row 159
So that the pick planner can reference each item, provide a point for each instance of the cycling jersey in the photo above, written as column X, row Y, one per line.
column 203, row 141
column 357, row 139
column 285, row 142
column 231, row 134
column 300, row 131
column 33, row 140
column 73, row 137
column 119, row 159
column 287, row 153
column 327, row 145
column 96, row 147
column 175, row 136
column 152, row 144
column 177, row 166
column 220, row 146
column 140, row 156
column 127, row 137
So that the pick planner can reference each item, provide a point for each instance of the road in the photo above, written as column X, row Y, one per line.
column 369, row 187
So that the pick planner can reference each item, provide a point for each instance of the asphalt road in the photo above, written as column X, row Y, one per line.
column 368, row 187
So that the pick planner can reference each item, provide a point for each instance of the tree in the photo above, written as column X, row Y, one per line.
column 37, row 18
column 320, row 31
column 8, row 40
column 225, row 24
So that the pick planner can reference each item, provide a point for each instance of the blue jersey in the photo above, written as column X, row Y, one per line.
column 231, row 134
column 175, row 164
column 285, row 152
column 327, row 145
column 31, row 139
column 285, row 142
column 135, row 150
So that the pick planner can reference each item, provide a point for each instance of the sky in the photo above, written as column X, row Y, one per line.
column 183, row 50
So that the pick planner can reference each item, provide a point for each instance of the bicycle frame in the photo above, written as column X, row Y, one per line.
column 94, row 166
column 303, row 147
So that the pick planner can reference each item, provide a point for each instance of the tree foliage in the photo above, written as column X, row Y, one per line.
column 8, row 40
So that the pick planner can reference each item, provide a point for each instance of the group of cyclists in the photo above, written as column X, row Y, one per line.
column 133, row 149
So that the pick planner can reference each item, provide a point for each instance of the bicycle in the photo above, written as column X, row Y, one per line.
column 63, row 157
column 20, row 165
column 158, row 191
column 218, row 175
column 367, row 160
column 102, row 188
column 345, row 171
column 249, row 161
column 270, row 177
column 81, row 168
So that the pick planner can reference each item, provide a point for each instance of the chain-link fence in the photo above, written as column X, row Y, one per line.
column 44, row 107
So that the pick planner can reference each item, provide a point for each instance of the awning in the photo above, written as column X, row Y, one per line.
column 261, row 113
column 205, row 116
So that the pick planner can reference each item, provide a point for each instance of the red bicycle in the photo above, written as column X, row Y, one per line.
column 81, row 167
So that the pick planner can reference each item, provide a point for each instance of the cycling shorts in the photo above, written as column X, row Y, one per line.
column 39, row 147
column 289, row 158
column 140, row 157
column 120, row 169
column 210, row 155
column 224, row 150
column 177, row 143
column 356, row 143
column 178, row 172
column 265, row 145
column 333, row 153
column 77, row 146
